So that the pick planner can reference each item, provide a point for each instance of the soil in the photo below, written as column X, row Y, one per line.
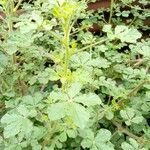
column 99, row 5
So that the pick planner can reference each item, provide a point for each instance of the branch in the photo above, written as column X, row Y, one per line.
column 17, row 6
column 127, row 132
column 54, row 35
column 91, row 45
column 133, row 91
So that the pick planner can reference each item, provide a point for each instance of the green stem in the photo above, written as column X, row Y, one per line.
column 17, row 6
column 111, row 11
column 93, row 44
column 133, row 91
column 66, row 51
column 130, row 94
column 69, row 26
column 132, row 21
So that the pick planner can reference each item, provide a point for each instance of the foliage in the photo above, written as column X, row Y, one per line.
column 64, row 87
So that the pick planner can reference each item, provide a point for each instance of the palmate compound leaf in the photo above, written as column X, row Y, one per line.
column 70, row 105
column 100, row 142
column 126, row 34
column 130, row 116
column 77, row 112
column 14, row 124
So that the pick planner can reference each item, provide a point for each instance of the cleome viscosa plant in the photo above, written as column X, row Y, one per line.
column 65, row 87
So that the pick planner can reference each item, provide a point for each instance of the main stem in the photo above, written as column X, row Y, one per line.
column 66, row 45
column 92, row 44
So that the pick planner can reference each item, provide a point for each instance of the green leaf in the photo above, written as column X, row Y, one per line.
column 81, row 76
column 109, row 114
column 32, row 100
column 105, row 146
column 16, row 124
column 62, row 137
column 99, row 63
column 58, row 95
column 72, row 133
column 74, row 89
column 35, row 145
column 103, row 135
column 22, row 109
column 130, row 116
column 79, row 114
column 48, row 75
column 38, row 132
column 88, row 138
column 86, row 143
column 80, row 59
column 85, row 60
column 102, row 140
column 127, row 35
column 132, row 145
column 108, row 29
column 56, row 111
column 90, row 99
column 125, row 13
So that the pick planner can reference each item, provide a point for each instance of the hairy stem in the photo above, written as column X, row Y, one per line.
column 93, row 44
column 120, row 102
column 17, row 6
column 127, row 132
column 133, row 91
column 66, row 51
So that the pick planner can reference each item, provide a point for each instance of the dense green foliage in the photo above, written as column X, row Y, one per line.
column 63, row 87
